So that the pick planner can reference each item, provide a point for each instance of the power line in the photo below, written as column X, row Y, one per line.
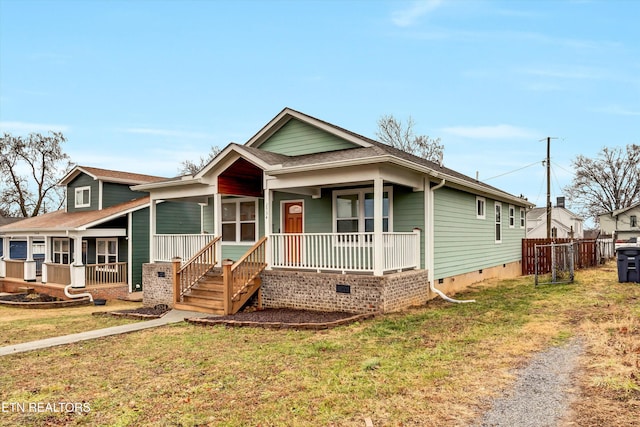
column 513, row 171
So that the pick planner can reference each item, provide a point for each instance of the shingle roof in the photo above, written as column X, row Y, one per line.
column 6, row 220
column 378, row 149
column 61, row 220
column 112, row 176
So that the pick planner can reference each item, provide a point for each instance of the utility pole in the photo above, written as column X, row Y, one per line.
column 548, row 164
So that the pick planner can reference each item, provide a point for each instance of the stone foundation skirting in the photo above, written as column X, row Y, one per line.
column 157, row 284
column 354, row 293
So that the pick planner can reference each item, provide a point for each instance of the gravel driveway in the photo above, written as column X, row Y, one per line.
column 542, row 393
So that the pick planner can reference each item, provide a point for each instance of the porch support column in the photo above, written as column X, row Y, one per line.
column 5, row 255
column 378, row 244
column 217, row 223
column 268, row 196
column 152, row 230
column 47, row 258
column 29, row 263
column 77, row 268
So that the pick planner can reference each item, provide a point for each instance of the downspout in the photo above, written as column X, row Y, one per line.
column 82, row 295
column 432, row 279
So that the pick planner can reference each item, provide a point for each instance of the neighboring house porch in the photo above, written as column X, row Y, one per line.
column 88, row 250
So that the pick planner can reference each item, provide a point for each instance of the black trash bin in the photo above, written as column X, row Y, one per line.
column 628, row 264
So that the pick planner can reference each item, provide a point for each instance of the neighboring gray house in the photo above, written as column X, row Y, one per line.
column 623, row 224
column 564, row 223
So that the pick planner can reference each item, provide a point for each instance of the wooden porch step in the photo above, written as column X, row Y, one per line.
column 208, row 284
column 208, row 302
column 199, row 309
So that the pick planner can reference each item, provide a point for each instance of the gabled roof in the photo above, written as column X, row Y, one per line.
column 371, row 151
column 536, row 213
column 287, row 114
column 62, row 221
column 365, row 151
column 107, row 175
column 8, row 220
column 620, row 211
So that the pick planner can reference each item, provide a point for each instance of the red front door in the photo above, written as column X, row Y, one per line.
column 292, row 215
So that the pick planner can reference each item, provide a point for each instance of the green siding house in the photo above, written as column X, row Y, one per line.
column 99, row 241
column 345, row 217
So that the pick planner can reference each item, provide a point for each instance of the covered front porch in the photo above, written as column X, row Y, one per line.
column 80, row 261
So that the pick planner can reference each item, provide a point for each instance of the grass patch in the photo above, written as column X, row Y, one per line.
column 20, row 325
column 430, row 366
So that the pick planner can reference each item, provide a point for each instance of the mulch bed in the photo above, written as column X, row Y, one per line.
column 138, row 313
column 29, row 298
column 284, row 318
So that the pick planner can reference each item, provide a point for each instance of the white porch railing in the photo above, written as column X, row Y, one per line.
column 344, row 252
column 185, row 246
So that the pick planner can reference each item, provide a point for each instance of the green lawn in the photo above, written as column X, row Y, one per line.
column 430, row 366
column 20, row 325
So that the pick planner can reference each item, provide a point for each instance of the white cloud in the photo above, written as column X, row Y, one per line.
column 26, row 127
column 490, row 132
column 408, row 17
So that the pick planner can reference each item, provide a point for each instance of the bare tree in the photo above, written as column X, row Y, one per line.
column 188, row 167
column 30, row 169
column 607, row 183
column 393, row 132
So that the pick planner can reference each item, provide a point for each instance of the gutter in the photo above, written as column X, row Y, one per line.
column 432, row 287
column 82, row 295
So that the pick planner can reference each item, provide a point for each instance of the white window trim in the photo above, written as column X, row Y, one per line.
column 237, row 202
column 80, row 191
column 523, row 217
column 107, row 247
column 483, row 215
column 54, row 252
column 497, row 205
column 512, row 216
column 361, row 194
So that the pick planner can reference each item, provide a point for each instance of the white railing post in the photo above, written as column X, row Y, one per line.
column 378, row 243
column 416, row 248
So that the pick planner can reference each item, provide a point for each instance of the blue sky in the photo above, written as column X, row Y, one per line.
column 143, row 85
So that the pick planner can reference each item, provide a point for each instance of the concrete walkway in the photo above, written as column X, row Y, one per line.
column 174, row 316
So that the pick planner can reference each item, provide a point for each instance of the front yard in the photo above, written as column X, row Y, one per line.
column 437, row 365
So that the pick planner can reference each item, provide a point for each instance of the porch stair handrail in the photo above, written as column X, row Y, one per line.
column 241, row 279
column 194, row 269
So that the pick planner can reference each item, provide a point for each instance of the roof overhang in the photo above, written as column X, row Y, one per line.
column 451, row 181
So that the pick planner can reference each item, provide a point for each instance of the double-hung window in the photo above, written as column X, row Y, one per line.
column 239, row 223
column 512, row 216
column 106, row 251
column 83, row 197
column 480, row 207
column 354, row 210
column 61, row 251
column 522, row 218
column 498, row 222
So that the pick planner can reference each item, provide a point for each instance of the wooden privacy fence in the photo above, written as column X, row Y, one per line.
column 586, row 254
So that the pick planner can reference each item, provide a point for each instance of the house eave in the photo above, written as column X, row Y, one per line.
column 185, row 180
column 452, row 181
